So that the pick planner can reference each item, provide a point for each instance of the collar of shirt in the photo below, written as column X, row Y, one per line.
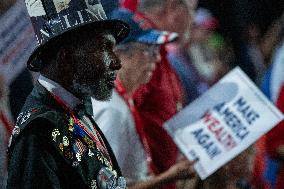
column 69, row 100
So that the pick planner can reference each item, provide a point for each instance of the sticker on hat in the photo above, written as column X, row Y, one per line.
column 35, row 8
column 61, row 5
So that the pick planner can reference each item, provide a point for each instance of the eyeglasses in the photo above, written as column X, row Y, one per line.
column 147, row 50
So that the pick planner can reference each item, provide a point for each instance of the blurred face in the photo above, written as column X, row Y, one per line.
column 200, row 34
column 177, row 16
column 191, row 4
column 147, row 57
column 95, row 67
column 253, row 32
column 139, row 63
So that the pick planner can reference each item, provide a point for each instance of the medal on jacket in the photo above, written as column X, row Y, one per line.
column 91, row 137
column 107, row 179
column 83, row 132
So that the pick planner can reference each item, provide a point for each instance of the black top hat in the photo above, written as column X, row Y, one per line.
column 52, row 18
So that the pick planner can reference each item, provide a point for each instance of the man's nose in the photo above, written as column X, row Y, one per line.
column 115, row 63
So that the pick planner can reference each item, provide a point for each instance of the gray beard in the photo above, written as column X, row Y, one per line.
column 100, row 91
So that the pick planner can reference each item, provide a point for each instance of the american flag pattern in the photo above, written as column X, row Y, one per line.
column 79, row 147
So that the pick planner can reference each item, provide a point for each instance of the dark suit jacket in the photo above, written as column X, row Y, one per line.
column 48, row 150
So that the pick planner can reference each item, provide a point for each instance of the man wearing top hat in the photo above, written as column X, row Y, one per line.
column 56, row 143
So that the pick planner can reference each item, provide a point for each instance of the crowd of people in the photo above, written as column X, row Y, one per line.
column 95, row 116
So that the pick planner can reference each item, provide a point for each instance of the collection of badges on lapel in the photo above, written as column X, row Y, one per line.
column 84, row 146
column 76, row 146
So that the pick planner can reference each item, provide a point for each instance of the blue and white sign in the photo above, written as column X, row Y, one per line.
column 223, row 122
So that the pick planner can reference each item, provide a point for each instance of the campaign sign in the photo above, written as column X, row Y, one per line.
column 223, row 122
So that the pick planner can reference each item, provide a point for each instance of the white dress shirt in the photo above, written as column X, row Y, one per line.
column 117, row 123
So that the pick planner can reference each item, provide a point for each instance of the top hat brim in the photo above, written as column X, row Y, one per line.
column 117, row 28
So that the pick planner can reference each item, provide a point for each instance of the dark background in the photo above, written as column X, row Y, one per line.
column 235, row 15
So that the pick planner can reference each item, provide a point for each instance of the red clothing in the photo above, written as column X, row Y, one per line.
column 275, row 138
column 259, row 164
column 156, row 102
column 138, row 124
column 129, row 4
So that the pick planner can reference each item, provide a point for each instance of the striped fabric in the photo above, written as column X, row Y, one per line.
column 17, row 40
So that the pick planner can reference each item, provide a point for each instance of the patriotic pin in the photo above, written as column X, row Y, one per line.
column 16, row 130
column 79, row 156
column 71, row 124
column 65, row 141
column 75, row 164
column 61, row 147
column 90, row 154
column 54, row 134
column 94, row 184
column 68, row 154
column 89, row 142
column 107, row 163
column 100, row 157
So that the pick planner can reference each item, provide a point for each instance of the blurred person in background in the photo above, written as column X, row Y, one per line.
column 159, row 99
column 254, row 50
column 6, row 126
column 223, row 55
column 139, row 54
column 203, row 57
column 12, row 95
column 270, row 40
column 268, row 166
column 22, row 85
column 179, row 58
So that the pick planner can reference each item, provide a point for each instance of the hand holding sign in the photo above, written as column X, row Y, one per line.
column 223, row 122
column 182, row 170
